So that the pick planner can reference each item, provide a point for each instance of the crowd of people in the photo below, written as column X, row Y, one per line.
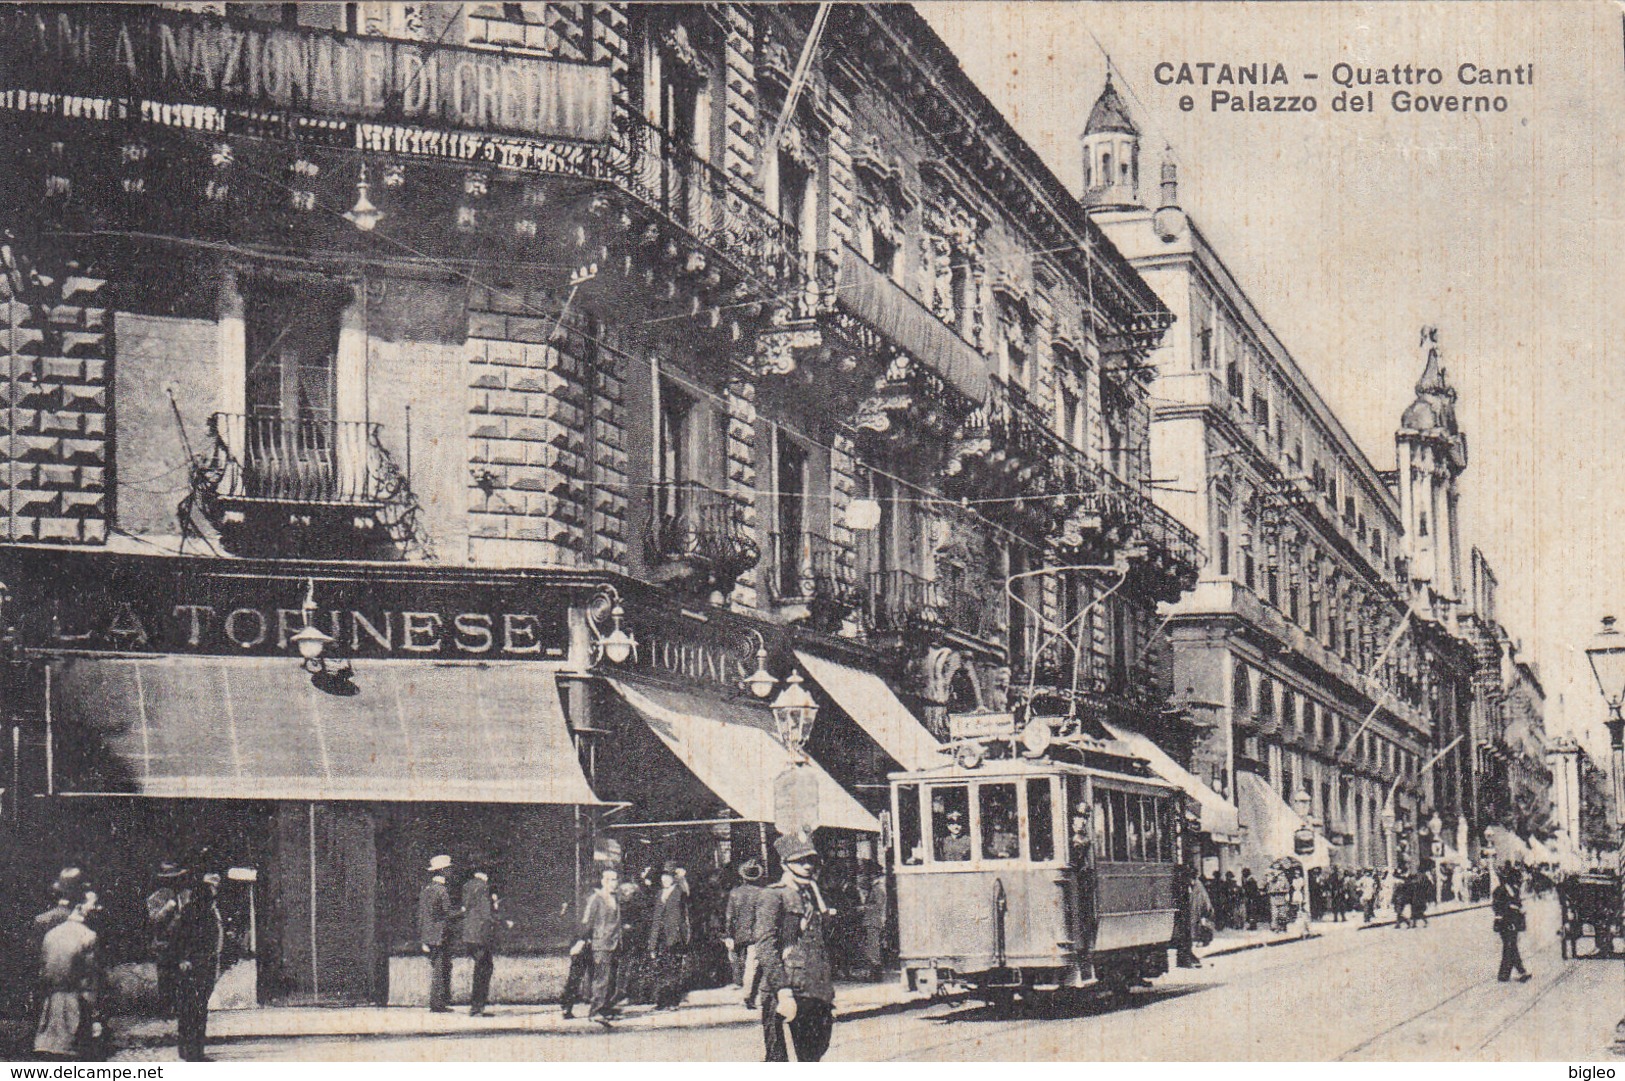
column 639, row 942
column 1337, row 894
column 187, row 940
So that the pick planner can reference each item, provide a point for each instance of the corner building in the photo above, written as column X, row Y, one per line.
column 477, row 337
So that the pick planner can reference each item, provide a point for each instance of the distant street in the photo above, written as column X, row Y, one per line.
column 1383, row 994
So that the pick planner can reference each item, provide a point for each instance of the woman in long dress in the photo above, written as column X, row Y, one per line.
column 70, row 1021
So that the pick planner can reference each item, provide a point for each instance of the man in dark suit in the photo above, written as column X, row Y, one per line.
column 434, row 919
column 669, row 937
column 739, row 927
column 195, row 951
column 479, row 914
column 1507, row 905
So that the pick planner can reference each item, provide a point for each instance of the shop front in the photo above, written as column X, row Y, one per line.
column 173, row 715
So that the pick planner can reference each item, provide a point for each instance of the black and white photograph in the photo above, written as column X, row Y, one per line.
column 966, row 531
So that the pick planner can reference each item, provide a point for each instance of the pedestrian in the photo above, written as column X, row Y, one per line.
column 1507, row 905
column 434, row 919
column 195, row 948
column 69, row 1022
column 479, row 918
column 634, row 980
column 670, row 935
column 1400, row 894
column 876, row 906
column 1420, row 889
column 1368, row 895
column 600, row 938
column 798, row 987
column 1230, row 909
column 739, row 929
column 1252, row 898
column 163, row 906
column 1184, row 919
column 1278, row 884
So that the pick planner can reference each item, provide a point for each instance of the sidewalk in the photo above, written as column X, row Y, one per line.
column 1227, row 942
column 709, row 1008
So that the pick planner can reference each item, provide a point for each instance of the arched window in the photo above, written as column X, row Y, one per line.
column 1242, row 692
column 1106, row 167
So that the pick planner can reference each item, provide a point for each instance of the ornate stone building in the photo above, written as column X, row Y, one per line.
column 1321, row 693
column 483, row 407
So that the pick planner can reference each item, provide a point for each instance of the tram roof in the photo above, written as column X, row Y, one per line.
column 1024, row 767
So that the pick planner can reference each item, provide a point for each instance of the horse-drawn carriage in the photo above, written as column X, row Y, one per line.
column 1591, row 908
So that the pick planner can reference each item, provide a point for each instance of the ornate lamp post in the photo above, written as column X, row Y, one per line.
column 1607, row 656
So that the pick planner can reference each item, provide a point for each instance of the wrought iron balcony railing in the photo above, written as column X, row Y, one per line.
column 719, row 211
column 695, row 525
column 306, row 462
column 900, row 602
column 808, row 567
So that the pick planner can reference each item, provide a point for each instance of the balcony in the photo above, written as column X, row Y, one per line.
column 720, row 213
column 696, row 539
column 303, row 486
column 902, row 603
column 810, row 571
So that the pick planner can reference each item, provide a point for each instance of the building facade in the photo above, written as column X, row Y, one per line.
column 444, row 427
column 1322, row 688
column 1513, row 782
column 1582, row 803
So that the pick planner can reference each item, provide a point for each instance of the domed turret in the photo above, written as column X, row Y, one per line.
column 1111, row 154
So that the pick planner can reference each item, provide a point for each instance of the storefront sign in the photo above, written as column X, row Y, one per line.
column 109, row 605
column 981, row 726
column 715, row 653
column 123, row 52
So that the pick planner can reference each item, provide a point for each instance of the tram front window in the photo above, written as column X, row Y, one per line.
column 1040, row 822
column 950, row 823
column 910, row 846
column 1001, row 833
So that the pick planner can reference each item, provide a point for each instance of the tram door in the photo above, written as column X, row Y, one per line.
column 1081, row 847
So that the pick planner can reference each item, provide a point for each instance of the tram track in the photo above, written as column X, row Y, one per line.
column 1338, row 984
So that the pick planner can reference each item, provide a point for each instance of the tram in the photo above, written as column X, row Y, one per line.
column 1034, row 863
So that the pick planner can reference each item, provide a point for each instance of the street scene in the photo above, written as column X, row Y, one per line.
column 609, row 531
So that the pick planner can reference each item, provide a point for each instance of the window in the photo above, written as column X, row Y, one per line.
column 1040, row 821
column 1422, row 524
column 797, row 198
column 1266, row 699
column 1000, row 821
column 291, row 339
column 950, row 823
column 1069, row 417
column 1234, row 383
column 1017, row 329
column 963, row 289
column 1272, row 587
column 791, row 476
column 910, row 847
column 1204, row 348
column 1241, row 694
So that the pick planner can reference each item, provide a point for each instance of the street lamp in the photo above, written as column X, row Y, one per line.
column 1607, row 656
column 794, row 711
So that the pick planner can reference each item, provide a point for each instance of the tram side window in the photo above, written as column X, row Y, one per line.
column 1040, row 822
column 1168, row 813
column 950, row 818
column 1001, row 830
column 910, row 846
column 1103, row 824
column 1151, row 829
column 1118, row 846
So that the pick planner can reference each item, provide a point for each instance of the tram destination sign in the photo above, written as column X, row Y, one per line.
column 121, row 51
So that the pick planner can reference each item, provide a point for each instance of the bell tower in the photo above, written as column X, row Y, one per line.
column 1432, row 453
column 1111, row 154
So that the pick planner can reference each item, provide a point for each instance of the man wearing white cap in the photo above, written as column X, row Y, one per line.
column 434, row 916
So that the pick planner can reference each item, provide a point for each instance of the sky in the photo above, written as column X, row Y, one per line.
column 1350, row 231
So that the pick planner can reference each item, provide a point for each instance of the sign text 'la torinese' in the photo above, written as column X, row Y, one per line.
column 121, row 51
column 246, row 616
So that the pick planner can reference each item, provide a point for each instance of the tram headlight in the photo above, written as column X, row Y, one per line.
column 969, row 756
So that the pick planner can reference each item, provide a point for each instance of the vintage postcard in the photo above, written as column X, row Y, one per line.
column 612, row 531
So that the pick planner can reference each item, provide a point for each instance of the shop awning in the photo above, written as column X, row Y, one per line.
column 867, row 700
column 1508, row 845
column 1272, row 826
column 1219, row 817
column 257, row 728
column 731, row 747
